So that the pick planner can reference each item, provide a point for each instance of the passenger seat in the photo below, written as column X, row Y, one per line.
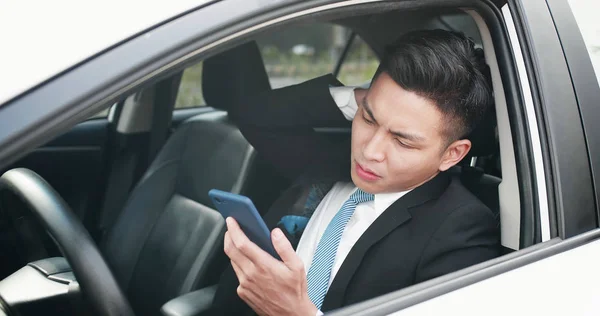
column 169, row 232
column 228, row 78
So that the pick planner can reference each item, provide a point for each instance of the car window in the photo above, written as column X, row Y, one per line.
column 101, row 114
column 295, row 55
column 359, row 64
column 304, row 52
column 586, row 14
column 190, row 89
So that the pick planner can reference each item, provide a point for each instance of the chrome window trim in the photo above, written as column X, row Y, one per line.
column 532, row 125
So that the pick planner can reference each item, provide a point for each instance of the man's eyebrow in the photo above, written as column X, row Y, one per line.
column 410, row 137
column 367, row 108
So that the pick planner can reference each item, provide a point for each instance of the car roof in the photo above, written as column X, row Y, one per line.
column 39, row 43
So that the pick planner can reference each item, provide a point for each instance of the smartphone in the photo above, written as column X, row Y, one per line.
column 244, row 212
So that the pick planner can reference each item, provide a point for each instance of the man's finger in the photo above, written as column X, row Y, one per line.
column 230, row 249
column 237, row 257
column 245, row 245
column 285, row 250
column 238, row 272
column 250, row 298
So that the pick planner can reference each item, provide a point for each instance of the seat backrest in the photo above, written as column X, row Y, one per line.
column 484, row 146
column 482, row 185
column 164, row 240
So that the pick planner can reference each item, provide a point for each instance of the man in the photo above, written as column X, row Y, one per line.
column 376, row 215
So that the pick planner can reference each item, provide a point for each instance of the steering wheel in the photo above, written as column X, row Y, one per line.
column 90, row 269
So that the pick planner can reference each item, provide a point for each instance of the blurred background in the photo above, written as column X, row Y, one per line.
column 298, row 54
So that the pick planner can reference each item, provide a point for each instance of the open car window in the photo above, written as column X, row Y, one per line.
column 299, row 53
column 296, row 54
column 190, row 93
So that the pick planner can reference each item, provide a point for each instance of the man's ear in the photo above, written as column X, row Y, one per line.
column 455, row 153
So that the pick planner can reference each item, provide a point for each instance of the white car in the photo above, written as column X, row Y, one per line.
column 113, row 127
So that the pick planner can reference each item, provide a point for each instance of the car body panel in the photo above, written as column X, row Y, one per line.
column 563, row 284
column 584, row 68
column 570, row 186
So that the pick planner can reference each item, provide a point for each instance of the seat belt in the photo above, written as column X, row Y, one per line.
column 133, row 156
column 162, row 115
column 117, row 187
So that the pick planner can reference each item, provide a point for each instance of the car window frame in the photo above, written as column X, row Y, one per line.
column 540, row 228
column 571, row 200
column 349, row 41
column 587, row 91
column 347, row 47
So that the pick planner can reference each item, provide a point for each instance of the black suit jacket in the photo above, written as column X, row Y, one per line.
column 437, row 228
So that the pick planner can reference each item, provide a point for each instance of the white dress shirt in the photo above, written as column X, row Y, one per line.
column 364, row 215
column 345, row 100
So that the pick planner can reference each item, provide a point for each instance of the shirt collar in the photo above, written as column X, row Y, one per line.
column 383, row 200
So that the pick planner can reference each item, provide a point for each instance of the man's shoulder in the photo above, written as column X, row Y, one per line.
column 458, row 195
column 453, row 210
column 462, row 221
column 458, row 206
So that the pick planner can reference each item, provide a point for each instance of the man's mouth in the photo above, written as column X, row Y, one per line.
column 365, row 173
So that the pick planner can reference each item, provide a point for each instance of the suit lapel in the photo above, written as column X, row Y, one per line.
column 392, row 218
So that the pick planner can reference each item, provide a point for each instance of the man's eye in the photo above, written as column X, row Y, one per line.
column 367, row 120
column 405, row 145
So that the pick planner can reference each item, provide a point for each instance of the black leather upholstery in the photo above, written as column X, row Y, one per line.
column 483, row 138
column 168, row 233
column 168, row 236
column 234, row 74
column 482, row 185
column 484, row 145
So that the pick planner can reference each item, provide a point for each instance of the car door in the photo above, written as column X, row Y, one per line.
column 73, row 164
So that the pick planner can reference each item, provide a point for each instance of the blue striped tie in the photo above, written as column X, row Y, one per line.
column 320, row 268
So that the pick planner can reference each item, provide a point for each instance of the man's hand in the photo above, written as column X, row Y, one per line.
column 269, row 286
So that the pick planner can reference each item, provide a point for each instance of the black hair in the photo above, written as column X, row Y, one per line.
column 444, row 67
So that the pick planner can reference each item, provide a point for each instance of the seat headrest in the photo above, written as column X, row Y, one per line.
column 232, row 75
column 483, row 138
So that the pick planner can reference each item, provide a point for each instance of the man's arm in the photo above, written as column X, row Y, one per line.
column 280, row 125
column 468, row 236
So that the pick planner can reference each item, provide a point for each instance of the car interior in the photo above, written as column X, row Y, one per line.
column 137, row 175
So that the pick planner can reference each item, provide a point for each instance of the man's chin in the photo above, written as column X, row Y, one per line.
column 372, row 187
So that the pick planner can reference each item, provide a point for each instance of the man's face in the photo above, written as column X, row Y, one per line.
column 398, row 141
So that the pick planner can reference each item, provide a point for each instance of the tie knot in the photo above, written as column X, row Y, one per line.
column 360, row 196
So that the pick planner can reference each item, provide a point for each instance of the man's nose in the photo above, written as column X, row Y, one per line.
column 375, row 148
